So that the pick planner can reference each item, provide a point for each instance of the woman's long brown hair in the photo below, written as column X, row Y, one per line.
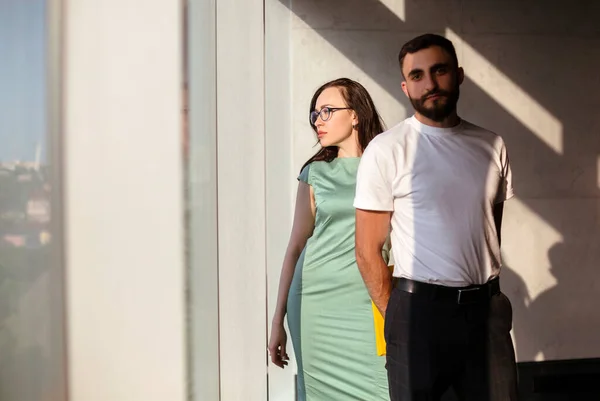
column 358, row 99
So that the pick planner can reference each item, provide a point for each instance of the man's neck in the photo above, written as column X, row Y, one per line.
column 451, row 121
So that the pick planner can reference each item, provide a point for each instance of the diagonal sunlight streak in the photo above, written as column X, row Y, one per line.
column 396, row 7
column 509, row 95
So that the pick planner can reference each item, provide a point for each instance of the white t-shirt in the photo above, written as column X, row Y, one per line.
column 441, row 185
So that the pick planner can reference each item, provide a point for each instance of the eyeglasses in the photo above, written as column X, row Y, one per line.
column 325, row 113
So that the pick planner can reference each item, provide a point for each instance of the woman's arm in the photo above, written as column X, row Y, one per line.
column 302, row 229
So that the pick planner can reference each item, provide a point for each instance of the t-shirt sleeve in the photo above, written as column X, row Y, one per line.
column 374, row 179
column 304, row 174
column 505, row 187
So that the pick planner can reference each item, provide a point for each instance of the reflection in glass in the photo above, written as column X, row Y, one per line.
column 30, row 296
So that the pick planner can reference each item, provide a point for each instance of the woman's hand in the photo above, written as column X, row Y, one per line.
column 277, row 345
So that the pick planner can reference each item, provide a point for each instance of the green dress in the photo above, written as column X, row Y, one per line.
column 329, row 310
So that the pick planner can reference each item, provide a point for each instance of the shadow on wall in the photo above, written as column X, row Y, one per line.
column 556, row 310
column 540, row 92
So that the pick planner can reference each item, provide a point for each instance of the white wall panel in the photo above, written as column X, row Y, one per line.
column 124, row 206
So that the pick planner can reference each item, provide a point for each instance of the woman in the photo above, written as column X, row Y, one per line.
column 328, row 308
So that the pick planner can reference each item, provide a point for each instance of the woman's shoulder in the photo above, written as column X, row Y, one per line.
column 314, row 169
column 316, row 165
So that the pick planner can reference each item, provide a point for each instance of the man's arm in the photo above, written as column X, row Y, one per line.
column 498, row 211
column 372, row 229
column 505, row 188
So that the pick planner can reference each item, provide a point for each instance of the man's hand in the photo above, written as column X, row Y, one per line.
column 372, row 229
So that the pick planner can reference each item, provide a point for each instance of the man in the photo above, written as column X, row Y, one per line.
column 441, row 183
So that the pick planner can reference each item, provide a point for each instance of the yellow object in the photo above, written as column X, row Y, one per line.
column 378, row 321
column 379, row 337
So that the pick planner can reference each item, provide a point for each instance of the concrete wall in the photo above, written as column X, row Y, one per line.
column 531, row 77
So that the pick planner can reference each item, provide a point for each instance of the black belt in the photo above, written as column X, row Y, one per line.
column 459, row 295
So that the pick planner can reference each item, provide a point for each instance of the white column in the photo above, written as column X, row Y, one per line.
column 281, row 176
column 123, row 194
column 202, row 180
column 241, row 199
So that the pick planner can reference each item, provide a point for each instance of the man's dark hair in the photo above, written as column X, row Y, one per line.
column 424, row 42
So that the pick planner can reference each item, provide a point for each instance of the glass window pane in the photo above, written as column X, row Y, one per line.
column 31, row 340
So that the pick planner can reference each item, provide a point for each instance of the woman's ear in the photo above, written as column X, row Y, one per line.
column 354, row 119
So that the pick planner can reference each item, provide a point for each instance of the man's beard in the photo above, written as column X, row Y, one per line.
column 440, row 109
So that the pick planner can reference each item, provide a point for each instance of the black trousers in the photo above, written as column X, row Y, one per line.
column 434, row 344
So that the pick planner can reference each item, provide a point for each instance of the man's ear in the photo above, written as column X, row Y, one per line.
column 461, row 75
column 405, row 89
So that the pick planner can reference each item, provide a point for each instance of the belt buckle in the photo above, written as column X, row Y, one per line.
column 467, row 295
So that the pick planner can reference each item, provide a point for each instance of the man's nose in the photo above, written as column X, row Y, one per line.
column 430, row 83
